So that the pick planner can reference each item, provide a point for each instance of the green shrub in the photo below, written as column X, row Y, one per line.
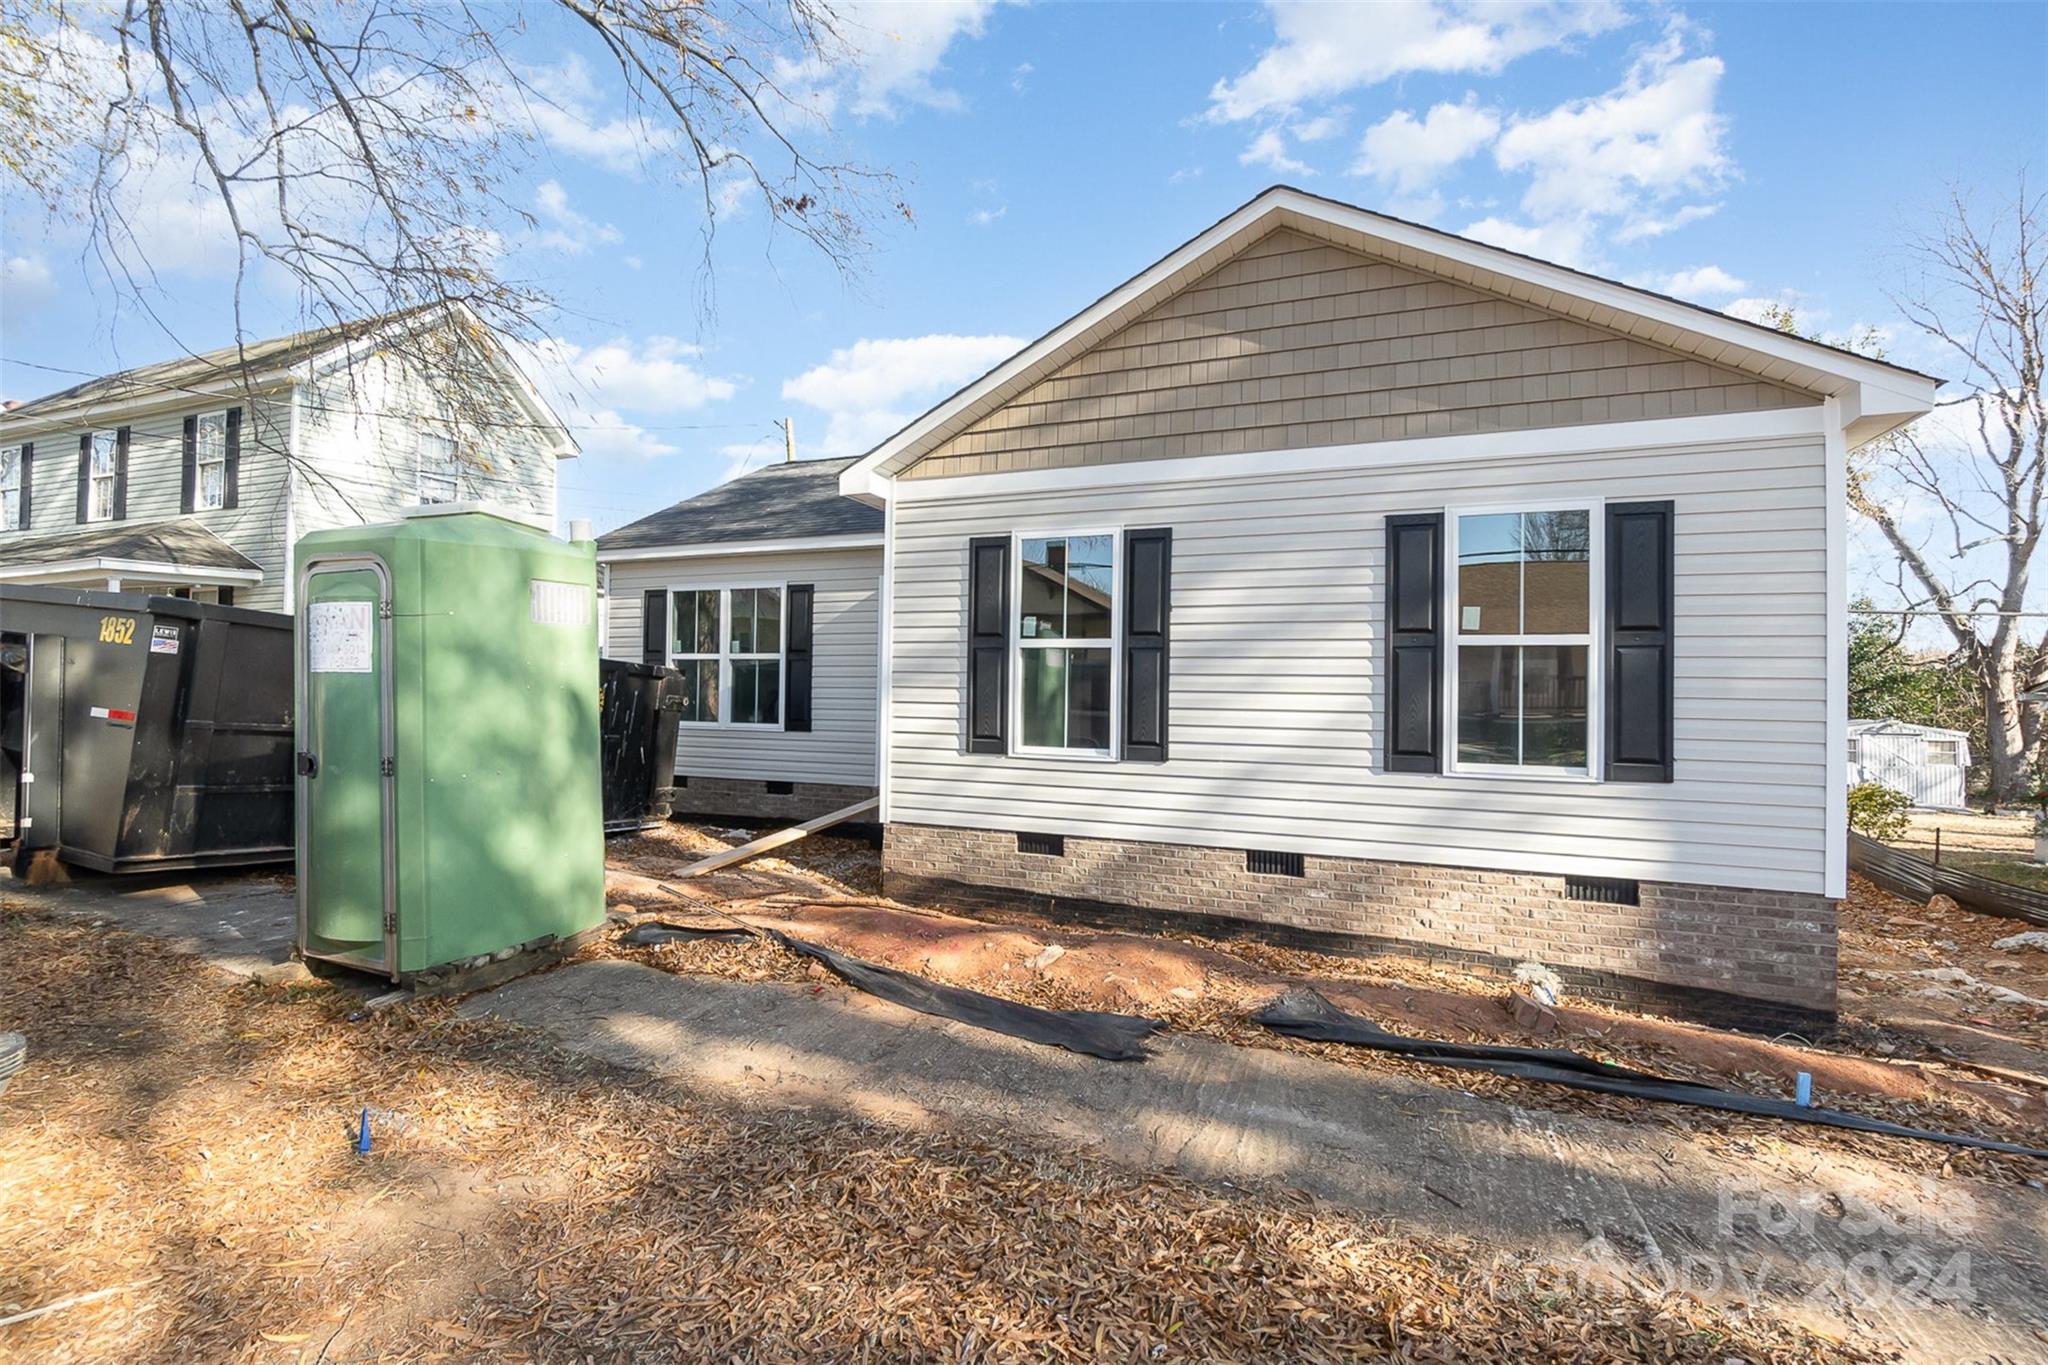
column 1879, row 812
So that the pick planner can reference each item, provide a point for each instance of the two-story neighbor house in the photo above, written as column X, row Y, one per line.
column 195, row 476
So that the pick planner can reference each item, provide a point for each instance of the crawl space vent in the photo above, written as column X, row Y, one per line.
column 1271, row 864
column 1048, row 845
column 781, row 788
column 1603, row 890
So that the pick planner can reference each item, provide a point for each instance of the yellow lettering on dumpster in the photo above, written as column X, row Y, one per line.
column 117, row 630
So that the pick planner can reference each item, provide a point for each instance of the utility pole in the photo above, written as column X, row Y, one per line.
column 788, row 425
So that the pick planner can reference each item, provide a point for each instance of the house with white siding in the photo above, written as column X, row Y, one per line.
column 194, row 477
column 1350, row 583
column 765, row 593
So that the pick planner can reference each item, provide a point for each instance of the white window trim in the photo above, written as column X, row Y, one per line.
column 93, row 478
column 8, row 523
column 1596, row 631
column 199, row 463
column 420, row 469
column 725, row 657
column 1115, row 643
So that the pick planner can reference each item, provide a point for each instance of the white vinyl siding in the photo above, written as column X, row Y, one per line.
column 845, row 616
column 1278, row 687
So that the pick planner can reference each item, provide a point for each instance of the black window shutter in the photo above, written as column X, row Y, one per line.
column 1640, row 563
column 189, row 498
column 28, row 482
column 1148, row 616
column 988, row 644
column 231, row 471
column 797, row 702
column 84, row 477
column 121, row 475
column 654, row 626
column 1415, row 652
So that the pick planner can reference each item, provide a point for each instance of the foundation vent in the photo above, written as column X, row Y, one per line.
column 781, row 788
column 1603, row 890
column 1267, row 863
column 1046, row 845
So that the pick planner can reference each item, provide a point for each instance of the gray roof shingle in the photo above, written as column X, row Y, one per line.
column 179, row 541
column 791, row 501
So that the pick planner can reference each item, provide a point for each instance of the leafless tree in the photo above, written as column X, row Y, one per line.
column 366, row 156
column 1980, row 294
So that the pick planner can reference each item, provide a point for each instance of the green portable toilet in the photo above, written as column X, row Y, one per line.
column 449, row 789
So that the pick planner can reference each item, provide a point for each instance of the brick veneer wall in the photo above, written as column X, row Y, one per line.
column 1762, row 959
column 749, row 799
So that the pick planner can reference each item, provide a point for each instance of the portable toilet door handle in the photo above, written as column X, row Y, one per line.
column 309, row 764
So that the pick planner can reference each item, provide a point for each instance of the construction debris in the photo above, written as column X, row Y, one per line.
column 2033, row 938
column 780, row 838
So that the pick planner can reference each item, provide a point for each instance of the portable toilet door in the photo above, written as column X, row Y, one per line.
column 347, row 873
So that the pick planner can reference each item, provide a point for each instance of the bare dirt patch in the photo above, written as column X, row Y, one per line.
column 184, row 1138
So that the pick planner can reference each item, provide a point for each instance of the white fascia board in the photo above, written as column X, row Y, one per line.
column 126, row 411
column 869, row 478
column 1835, row 819
column 741, row 547
column 1597, row 438
column 126, row 568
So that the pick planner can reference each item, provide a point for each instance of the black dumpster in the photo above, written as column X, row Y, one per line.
column 640, row 710
column 143, row 733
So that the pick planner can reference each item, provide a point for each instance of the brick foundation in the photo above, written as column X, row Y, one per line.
column 746, row 799
column 1721, row 955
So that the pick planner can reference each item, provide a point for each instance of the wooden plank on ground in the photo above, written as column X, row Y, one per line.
column 769, row 842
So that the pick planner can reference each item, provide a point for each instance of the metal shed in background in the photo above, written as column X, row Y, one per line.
column 144, row 733
column 1930, row 765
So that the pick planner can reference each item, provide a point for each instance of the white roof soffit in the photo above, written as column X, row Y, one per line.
column 1875, row 397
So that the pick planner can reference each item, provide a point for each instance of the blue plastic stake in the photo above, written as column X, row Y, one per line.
column 1803, row 1093
column 363, row 1133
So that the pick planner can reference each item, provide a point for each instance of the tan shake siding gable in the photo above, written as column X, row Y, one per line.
column 1297, row 343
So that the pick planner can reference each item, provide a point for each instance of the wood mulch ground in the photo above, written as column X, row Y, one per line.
column 183, row 1139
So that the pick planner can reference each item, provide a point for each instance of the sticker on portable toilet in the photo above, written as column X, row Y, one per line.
column 560, row 604
column 338, row 637
column 163, row 640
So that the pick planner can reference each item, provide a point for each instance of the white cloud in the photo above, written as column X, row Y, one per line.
column 1324, row 50
column 1020, row 76
column 1184, row 174
column 569, row 232
column 1762, row 310
column 1318, row 128
column 1654, row 136
column 1565, row 241
column 1650, row 225
column 898, row 47
column 1702, row 281
column 593, row 388
column 25, row 284
column 983, row 217
column 1269, row 148
column 1413, row 153
column 869, row 389
column 566, row 109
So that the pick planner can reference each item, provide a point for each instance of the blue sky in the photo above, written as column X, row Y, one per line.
column 1732, row 154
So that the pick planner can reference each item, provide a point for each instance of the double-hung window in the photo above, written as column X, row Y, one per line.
column 1523, row 683
column 1065, row 661
column 104, row 475
column 440, row 469
column 210, row 438
column 10, row 488
column 728, row 643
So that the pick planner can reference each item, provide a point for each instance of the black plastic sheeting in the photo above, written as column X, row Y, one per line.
column 1305, row 1014
column 1113, row 1037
